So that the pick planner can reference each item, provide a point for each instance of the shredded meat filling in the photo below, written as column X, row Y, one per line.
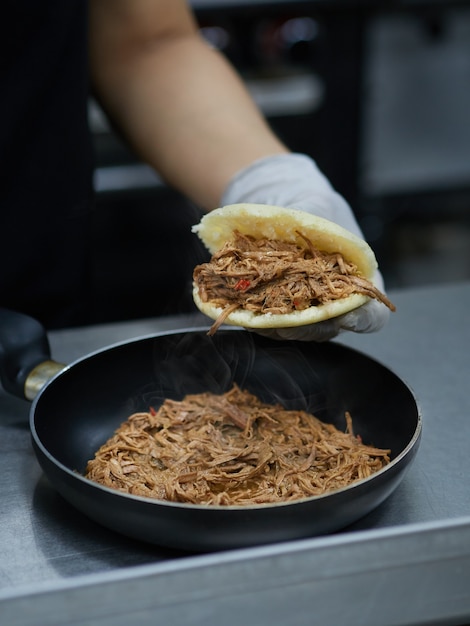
column 231, row 449
column 267, row 276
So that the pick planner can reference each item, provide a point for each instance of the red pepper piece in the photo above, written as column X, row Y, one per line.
column 242, row 284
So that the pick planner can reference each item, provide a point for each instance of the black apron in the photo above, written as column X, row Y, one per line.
column 46, row 160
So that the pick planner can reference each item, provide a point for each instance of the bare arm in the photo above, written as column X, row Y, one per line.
column 177, row 101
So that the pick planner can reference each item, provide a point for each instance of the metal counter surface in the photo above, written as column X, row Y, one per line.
column 408, row 562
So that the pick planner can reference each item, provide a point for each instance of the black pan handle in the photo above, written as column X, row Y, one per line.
column 23, row 346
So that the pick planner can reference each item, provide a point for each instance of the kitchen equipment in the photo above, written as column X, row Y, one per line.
column 81, row 405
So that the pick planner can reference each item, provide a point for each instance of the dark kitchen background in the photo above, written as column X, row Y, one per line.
column 377, row 92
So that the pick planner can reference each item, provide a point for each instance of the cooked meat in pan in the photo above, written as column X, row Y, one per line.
column 232, row 449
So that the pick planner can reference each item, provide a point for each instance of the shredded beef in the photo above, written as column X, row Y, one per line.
column 267, row 276
column 231, row 449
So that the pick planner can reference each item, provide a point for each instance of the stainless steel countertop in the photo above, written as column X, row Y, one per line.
column 408, row 562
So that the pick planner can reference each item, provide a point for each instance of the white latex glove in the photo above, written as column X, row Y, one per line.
column 294, row 181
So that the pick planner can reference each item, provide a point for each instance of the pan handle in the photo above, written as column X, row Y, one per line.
column 24, row 355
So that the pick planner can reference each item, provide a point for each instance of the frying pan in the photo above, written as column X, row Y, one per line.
column 81, row 405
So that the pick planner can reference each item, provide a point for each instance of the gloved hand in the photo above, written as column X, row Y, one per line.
column 294, row 181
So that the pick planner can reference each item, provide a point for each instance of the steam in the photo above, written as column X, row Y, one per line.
column 277, row 372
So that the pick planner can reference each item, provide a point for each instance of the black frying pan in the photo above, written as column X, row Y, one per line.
column 79, row 408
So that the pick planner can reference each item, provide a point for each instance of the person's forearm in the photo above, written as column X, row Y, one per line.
column 187, row 113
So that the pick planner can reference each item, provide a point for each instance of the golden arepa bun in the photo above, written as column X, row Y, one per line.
column 277, row 223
